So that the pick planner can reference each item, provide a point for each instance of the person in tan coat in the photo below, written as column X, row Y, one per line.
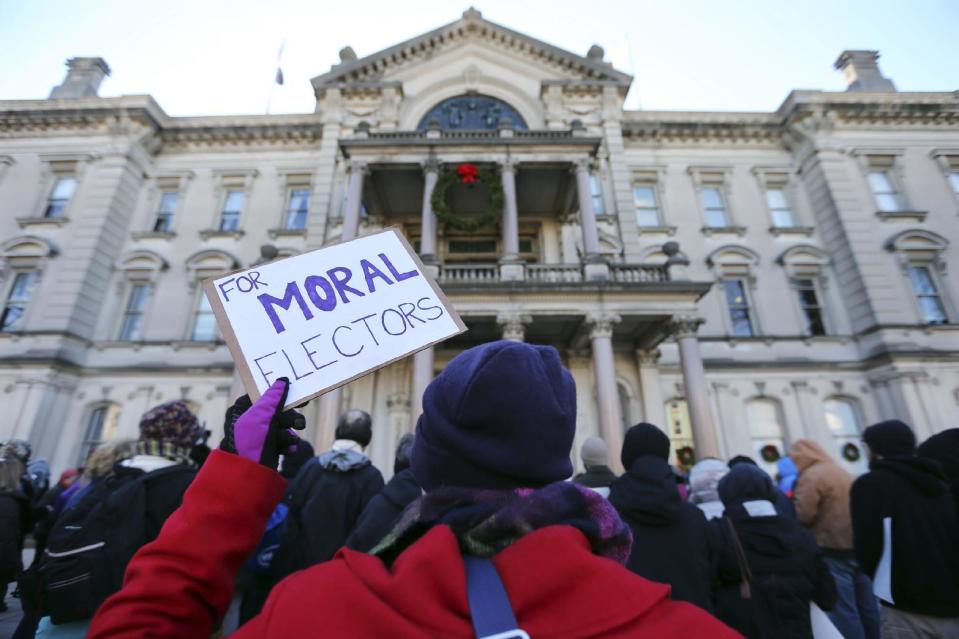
column 821, row 497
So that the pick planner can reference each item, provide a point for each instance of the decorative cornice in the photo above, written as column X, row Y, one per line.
column 685, row 325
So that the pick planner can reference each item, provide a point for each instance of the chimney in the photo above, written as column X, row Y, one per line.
column 861, row 69
column 84, row 76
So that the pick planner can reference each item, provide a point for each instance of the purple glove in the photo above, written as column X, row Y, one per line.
column 261, row 432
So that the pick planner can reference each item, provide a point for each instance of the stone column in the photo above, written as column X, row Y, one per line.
column 514, row 325
column 694, row 382
column 654, row 406
column 354, row 200
column 428, row 235
column 511, row 265
column 813, row 418
column 595, row 267
column 423, row 363
column 604, row 371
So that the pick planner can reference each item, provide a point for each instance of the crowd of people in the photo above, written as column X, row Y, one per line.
column 482, row 528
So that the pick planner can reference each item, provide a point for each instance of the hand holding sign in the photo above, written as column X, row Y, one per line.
column 326, row 317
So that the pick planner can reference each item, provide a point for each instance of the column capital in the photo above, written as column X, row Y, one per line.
column 431, row 165
column 508, row 164
column 361, row 166
column 685, row 325
column 514, row 325
column 398, row 401
column 648, row 357
column 601, row 324
column 584, row 164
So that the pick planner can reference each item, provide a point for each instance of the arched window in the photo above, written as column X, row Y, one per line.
column 764, row 417
column 920, row 254
column 141, row 271
column 734, row 267
column 805, row 266
column 842, row 417
column 101, row 426
column 472, row 112
column 680, row 431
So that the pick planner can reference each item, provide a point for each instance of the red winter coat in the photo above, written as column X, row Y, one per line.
column 178, row 585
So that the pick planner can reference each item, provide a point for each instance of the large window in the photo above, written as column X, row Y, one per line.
column 647, row 205
column 843, row 421
column 779, row 209
column 884, row 190
column 714, row 206
column 232, row 208
column 101, row 427
column 297, row 208
column 954, row 181
column 596, row 193
column 764, row 418
column 132, row 324
column 60, row 195
column 927, row 294
column 164, row 218
column 204, row 322
column 809, row 305
column 738, row 304
column 17, row 300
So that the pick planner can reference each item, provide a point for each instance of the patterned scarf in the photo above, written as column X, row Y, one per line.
column 157, row 448
column 487, row 521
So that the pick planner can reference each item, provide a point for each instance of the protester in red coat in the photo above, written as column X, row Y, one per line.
column 558, row 548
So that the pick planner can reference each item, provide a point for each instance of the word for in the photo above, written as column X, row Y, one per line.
column 348, row 340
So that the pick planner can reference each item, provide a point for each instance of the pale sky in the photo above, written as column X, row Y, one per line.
column 199, row 57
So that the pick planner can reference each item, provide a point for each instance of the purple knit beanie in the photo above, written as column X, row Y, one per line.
column 500, row 415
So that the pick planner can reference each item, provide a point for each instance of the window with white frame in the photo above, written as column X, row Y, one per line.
column 165, row 211
column 297, row 208
column 204, row 321
column 596, row 194
column 953, row 178
column 60, row 194
column 779, row 209
column 232, row 209
column 101, row 427
column 737, row 304
column 810, row 305
column 884, row 184
column 131, row 325
column 18, row 297
column 926, row 290
column 646, row 203
column 842, row 418
column 765, row 421
column 713, row 201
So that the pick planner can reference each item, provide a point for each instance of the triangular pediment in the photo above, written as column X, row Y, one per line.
column 471, row 28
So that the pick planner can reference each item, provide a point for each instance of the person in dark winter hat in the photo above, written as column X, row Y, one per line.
column 890, row 438
column 741, row 459
column 783, row 503
column 944, row 448
column 766, row 591
column 169, row 431
column 670, row 536
column 499, row 420
column 598, row 476
column 904, row 501
column 383, row 510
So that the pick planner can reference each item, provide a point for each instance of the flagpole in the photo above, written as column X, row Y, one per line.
column 277, row 78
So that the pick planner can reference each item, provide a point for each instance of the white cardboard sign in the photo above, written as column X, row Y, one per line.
column 327, row 317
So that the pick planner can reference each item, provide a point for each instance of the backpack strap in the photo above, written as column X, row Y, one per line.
column 490, row 608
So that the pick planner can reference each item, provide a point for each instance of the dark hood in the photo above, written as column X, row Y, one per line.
column 924, row 474
column 745, row 482
column 402, row 489
column 647, row 493
column 944, row 448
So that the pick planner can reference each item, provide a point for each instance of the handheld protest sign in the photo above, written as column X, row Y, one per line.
column 329, row 316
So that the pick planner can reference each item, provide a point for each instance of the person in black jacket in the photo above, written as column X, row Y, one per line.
column 944, row 448
column 905, row 501
column 14, row 519
column 383, row 510
column 598, row 476
column 784, row 505
column 327, row 497
column 764, row 591
column 670, row 536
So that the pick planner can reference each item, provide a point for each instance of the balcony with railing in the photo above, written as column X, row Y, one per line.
column 549, row 274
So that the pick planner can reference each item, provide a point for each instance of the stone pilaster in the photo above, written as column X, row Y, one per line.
column 604, row 371
column 694, row 380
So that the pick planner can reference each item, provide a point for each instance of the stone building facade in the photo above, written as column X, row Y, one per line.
column 742, row 279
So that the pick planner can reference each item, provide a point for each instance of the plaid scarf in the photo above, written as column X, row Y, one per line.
column 157, row 448
column 487, row 521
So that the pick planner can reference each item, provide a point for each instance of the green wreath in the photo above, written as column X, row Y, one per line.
column 850, row 452
column 493, row 212
column 769, row 453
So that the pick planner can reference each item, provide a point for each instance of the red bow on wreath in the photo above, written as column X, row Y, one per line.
column 467, row 173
